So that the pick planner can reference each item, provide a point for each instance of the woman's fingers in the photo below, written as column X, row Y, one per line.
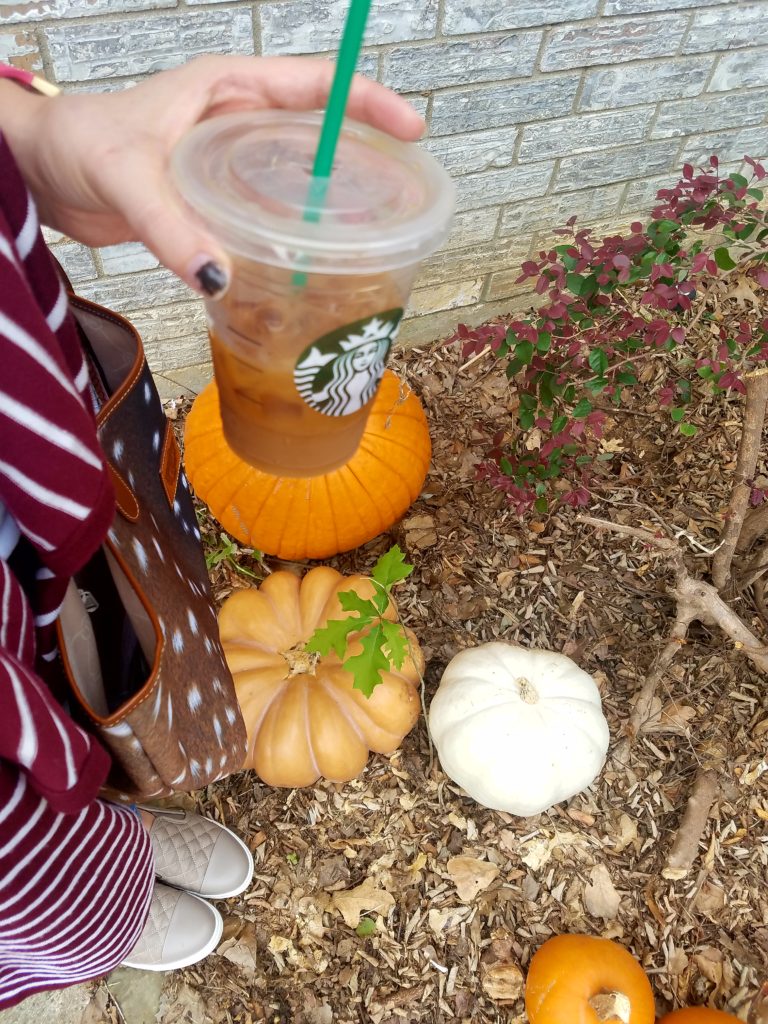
column 296, row 83
column 154, row 213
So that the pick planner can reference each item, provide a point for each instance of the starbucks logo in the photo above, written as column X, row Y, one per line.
column 340, row 373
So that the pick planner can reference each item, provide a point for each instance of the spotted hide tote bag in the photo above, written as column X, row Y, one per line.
column 138, row 632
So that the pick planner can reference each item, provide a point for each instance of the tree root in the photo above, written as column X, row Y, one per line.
column 696, row 600
column 756, row 384
column 685, row 847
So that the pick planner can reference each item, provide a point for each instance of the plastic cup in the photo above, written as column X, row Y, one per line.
column 301, row 338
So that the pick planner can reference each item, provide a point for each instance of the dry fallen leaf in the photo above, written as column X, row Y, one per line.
column 366, row 898
column 600, row 896
column 420, row 532
column 627, row 834
column 241, row 949
column 471, row 876
column 710, row 963
column 710, row 900
column 442, row 921
column 503, row 981
column 186, row 1006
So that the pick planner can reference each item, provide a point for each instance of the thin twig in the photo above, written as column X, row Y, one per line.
column 685, row 848
column 646, row 536
column 756, row 384
column 643, row 701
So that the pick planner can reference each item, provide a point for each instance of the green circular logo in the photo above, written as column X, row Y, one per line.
column 340, row 373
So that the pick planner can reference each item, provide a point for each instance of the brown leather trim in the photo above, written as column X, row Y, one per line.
column 124, row 496
column 135, row 372
column 149, row 687
column 170, row 463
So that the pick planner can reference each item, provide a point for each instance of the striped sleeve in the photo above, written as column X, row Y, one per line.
column 53, row 480
column 62, row 762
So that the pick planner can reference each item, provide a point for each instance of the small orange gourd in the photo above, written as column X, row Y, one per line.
column 699, row 1015
column 315, row 517
column 580, row 979
column 303, row 716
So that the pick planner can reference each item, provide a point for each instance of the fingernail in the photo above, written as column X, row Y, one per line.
column 213, row 279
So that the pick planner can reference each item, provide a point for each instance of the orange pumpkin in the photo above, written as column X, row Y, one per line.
column 303, row 716
column 296, row 518
column 580, row 979
column 699, row 1015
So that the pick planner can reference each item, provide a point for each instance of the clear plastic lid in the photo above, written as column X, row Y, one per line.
column 248, row 176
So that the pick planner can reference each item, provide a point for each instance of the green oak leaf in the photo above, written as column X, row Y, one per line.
column 391, row 568
column 351, row 601
column 333, row 636
column 396, row 641
column 368, row 665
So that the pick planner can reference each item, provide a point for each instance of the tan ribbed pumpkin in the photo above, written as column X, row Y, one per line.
column 303, row 716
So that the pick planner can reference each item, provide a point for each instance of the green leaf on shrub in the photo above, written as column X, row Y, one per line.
column 528, row 401
column 705, row 372
column 756, row 193
column 596, row 386
column 739, row 180
column 545, row 340
column 598, row 361
column 514, row 366
column 541, row 505
column 689, row 429
column 582, row 409
column 723, row 258
column 558, row 424
column 526, row 419
column 677, row 414
column 506, row 467
column 583, row 460
column 524, row 352
column 626, row 377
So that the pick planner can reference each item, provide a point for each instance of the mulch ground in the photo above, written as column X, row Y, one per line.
column 289, row 956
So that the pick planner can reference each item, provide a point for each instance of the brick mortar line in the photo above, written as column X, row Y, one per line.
column 110, row 17
column 256, row 29
column 113, row 16
column 713, row 69
column 686, row 33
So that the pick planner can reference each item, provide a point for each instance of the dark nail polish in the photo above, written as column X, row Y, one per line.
column 212, row 278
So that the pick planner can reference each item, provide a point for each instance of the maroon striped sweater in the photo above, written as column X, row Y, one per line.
column 76, row 873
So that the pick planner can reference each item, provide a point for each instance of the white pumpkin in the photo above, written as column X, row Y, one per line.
column 519, row 730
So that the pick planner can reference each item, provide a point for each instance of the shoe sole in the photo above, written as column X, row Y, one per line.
column 175, row 965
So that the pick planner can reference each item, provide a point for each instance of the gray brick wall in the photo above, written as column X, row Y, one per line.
column 540, row 109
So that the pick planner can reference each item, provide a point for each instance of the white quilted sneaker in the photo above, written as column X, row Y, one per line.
column 198, row 854
column 180, row 930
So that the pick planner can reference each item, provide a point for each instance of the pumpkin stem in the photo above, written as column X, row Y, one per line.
column 611, row 1006
column 528, row 693
column 301, row 662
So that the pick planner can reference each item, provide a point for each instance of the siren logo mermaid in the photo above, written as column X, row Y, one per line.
column 340, row 373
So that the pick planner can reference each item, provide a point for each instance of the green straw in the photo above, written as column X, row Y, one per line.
column 351, row 41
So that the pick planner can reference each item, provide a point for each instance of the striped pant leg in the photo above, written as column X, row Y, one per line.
column 74, row 890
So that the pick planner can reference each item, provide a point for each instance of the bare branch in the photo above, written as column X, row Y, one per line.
column 685, row 848
column 643, row 701
column 710, row 608
column 646, row 536
column 756, row 384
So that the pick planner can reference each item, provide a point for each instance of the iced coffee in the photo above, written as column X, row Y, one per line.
column 301, row 338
